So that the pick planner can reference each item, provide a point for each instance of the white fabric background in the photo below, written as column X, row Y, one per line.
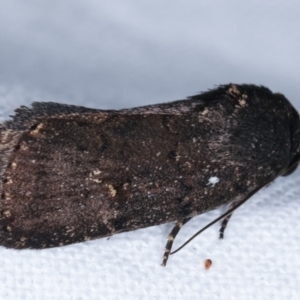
column 115, row 54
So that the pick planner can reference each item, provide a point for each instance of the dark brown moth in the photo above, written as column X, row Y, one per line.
column 70, row 174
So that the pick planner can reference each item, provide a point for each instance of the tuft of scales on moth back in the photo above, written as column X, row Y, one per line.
column 71, row 174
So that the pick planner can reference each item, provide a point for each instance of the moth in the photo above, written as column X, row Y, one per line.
column 71, row 174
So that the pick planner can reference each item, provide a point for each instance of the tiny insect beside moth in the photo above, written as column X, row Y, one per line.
column 71, row 174
column 207, row 264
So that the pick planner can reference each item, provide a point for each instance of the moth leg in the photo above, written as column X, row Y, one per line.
column 225, row 221
column 171, row 239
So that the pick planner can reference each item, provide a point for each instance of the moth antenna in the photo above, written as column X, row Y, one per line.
column 230, row 211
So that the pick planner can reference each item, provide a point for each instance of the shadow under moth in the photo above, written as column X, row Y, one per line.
column 70, row 174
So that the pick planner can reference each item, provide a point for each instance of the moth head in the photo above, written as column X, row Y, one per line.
column 291, row 170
